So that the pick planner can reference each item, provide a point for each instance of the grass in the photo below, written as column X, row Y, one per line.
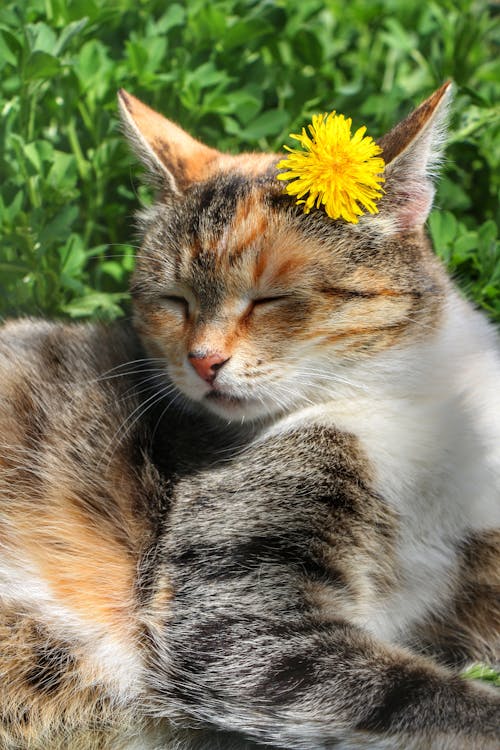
column 482, row 672
column 239, row 74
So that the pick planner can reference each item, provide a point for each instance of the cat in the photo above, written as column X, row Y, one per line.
column 267, row 513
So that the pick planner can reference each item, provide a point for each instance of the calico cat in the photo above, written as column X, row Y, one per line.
column 268, row 513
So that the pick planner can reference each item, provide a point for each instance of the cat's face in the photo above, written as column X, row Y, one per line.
column 258, row 308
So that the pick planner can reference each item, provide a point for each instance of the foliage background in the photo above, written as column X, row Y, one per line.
column 240, row 74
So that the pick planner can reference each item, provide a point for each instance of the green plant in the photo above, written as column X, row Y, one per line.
column 482, row 672
column 238, row 74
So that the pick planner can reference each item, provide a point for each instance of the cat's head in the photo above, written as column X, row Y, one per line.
column 259, row 308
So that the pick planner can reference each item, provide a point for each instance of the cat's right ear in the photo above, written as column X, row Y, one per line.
column 173, row 157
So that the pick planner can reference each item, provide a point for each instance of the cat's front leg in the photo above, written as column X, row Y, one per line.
column 241, row 640
column 206, row 739
column 307, row 686
column 169, row 737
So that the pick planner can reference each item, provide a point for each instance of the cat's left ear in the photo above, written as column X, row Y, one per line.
column 173, row 157
column 412, row 151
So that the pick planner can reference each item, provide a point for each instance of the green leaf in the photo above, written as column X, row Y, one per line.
column 63, row 173
column 487, row 234
column 10, row 48
column 38, row 153
column 464, row 246
column 92, row 67
column 41, row 38
column 59, row 227
column 266, row 125
column 175, row 16
column 67, row 34
column 41, row 65
column 245, row 104
column 206, row 76
column 9, row 212
column 443, row 227
column 114, row 269
column 244, row 29
column 95, row 304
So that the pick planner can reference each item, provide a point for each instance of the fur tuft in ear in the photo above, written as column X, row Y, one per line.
column 171, row 155
column 412, row 151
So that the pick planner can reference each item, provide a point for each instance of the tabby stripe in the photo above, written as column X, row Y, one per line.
column 223, row 562
column 367, row 293
column 51, row 668
column 401, row 691
column 364, row 331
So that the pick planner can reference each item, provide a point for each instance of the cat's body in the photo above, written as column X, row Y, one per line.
column 83, row 506
column 297, row 581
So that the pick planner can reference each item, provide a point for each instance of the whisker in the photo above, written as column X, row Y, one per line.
column 125, row 374
column 133, row 418
column 146, row 384
column 167, row 407
column 130, row 362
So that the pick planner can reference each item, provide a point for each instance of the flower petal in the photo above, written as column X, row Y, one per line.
column 341, row 172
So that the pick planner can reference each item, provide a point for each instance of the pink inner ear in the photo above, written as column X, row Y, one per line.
column 414, row 205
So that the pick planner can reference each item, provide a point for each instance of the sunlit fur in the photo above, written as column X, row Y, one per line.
column 296, row 548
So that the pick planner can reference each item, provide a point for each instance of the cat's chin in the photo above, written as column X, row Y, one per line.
column 232, row 407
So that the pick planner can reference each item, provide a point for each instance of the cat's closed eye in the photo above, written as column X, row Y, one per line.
column 175, row 301
column 261, row 301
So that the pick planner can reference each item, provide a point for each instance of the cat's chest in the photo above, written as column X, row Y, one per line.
column 427, row 464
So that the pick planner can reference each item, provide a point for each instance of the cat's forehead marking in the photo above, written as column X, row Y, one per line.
column 248, row 226
column 229, row 216
column 237, row 232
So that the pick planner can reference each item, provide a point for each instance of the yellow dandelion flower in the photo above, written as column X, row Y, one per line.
column 339, row 171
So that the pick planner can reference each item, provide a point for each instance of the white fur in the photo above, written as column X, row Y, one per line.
column 428, row 419
column 112, row 661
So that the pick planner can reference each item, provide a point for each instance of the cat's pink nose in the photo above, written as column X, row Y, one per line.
column 207, row 367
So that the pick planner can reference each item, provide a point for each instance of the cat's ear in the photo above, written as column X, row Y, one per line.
column 172, row 156
column 412, row 151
